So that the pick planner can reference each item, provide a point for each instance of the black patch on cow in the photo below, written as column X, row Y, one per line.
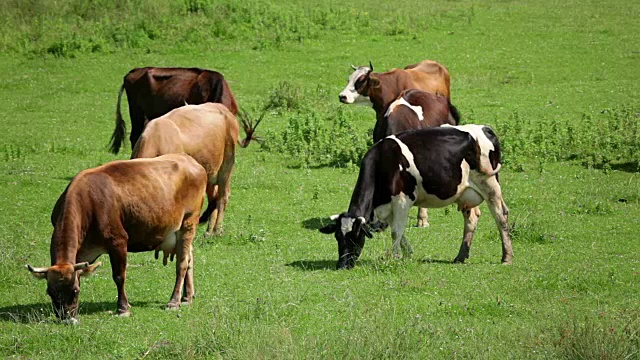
column 496, row 153
column 361, row 83
column 438, row 155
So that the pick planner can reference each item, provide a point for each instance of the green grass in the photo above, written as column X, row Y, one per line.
column 558, row 81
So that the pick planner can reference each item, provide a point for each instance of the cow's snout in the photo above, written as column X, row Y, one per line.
column 343, row 98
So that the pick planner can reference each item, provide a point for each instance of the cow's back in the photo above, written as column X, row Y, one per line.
column 154, row 196
column 207, row 132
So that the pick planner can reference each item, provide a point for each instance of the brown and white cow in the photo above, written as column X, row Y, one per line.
column 209, row 133
column 120, row 207
column 379, row 90
column 153, row 92
column 431, row 167
column 414, row 109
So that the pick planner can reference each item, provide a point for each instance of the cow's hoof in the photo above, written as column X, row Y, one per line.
column 422, row 224
column 506, row 262
column 459, row 260
column 71, row 321
column 173, row 306
column 123, row 313
column 218, row 232
column 186, row 301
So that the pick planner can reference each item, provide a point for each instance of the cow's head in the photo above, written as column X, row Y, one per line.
column 357, row 89
column 63, row 286
column 350, row 233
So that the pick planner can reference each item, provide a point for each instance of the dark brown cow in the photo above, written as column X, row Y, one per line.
column 380, row 89
column 120, row 207
column 414, row 109
column 153, row 92
column 209, row 133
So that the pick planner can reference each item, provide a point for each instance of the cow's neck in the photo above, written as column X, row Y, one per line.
column 67, row 236
column 383, row 96
column 361, row 204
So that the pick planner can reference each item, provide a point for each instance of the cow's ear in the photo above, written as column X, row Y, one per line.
column 90, row 269
column 374, row 82
column 38, row 273
column 362, row 226
column 329, row 229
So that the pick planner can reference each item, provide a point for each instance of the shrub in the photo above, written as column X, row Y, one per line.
column 606, row 139
column 312, row 139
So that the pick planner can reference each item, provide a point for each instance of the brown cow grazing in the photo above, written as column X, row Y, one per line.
column 380, row 89
column 209, row 133
column 120, row 207
column 414, row 109
column 153, row 92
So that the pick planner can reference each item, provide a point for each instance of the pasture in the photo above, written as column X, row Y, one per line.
column 558, row 81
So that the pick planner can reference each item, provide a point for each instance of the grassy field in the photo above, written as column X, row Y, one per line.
column 559, row 81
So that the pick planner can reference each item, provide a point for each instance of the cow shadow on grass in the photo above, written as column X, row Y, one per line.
column 42, row 312
column 436, row 261
column 316, row 223
column 315, row 265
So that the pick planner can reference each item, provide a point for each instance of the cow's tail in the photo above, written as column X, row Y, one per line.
column 454, row 112
column 119, row 132
column 249, row 127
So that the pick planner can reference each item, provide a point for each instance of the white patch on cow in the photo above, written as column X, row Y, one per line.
column 346, row 225
column 478, row 135
column 412, row 169
column 349, row 94
column 403, row 102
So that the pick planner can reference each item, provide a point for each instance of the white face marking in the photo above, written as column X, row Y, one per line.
column 402, row 101
column 350, row 95
column 346, row 225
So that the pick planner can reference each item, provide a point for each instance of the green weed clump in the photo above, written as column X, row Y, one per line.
column 313, row 139
column 604, row 339
column 608, row 139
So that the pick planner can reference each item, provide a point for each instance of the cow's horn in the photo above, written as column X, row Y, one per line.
column 37, row 270
column 80, row 266
column 354, row 67
column 370, row 65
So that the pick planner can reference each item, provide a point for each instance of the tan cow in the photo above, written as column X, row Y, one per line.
column 120, row 207
column 209, row 133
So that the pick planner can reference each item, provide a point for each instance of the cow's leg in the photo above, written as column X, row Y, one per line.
column 224, row 189
column 188, row 291
column 423, row 217
column 407, row 249
column 184, row 264
column 500, row 213
column 471, row 217
column 399, row 222
column 118, row 257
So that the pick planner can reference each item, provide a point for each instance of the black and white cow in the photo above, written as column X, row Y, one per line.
column 431, row 167
column 414, row 109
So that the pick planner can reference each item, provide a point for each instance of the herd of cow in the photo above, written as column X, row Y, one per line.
column 152, row 202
